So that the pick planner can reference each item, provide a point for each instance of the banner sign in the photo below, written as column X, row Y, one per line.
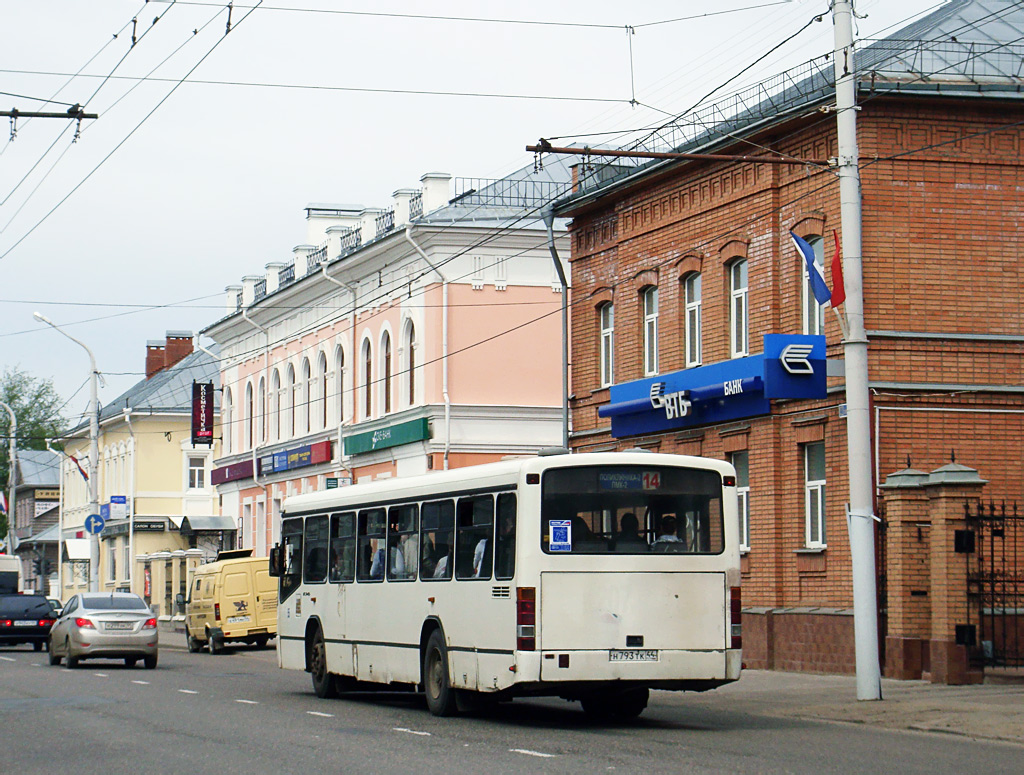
column 391, row 436
column 791, row 366
column 298, row 457
column 202, row 413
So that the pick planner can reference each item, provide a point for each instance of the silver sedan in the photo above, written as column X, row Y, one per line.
column 105, row 625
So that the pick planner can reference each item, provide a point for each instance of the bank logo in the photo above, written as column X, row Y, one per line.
column 676, row 404
column 795, row 359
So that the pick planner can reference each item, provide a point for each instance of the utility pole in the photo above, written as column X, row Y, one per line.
column 855, row 350
column 12, row 473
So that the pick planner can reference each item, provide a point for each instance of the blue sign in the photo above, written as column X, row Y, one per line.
column 561, row 535
column 790, row 367
column 122, row 499
column 104, row 511
column 94, row 524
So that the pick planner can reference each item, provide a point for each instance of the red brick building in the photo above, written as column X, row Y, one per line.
column 685, row 265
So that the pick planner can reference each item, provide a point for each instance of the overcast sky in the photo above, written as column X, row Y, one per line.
column 212, row 185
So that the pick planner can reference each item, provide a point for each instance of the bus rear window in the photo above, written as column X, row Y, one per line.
column 631, row 510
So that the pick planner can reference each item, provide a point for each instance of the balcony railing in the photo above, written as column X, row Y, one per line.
column 416, row 206
column 386, row 222
column 316, row 257
column 238, row 300
column 351, row 239
column 286, row 275
column 516, row 194
column 261, row 288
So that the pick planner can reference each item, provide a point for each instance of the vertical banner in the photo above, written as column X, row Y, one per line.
column 202, row 413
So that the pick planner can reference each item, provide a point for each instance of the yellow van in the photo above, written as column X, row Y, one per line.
column 232, row 600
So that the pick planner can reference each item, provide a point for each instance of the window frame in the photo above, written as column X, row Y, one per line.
column 743, row 497
column 692, row 307
column 606, row 343
column 815, row 536
column 649, row 308
column 812, row 324
column 739, row 309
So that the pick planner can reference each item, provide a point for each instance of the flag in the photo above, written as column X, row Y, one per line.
column 80, row 469
column 838, row 287
column 817, row 277
column 3, row 504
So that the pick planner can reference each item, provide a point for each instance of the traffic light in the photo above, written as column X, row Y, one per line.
column 36, row 567
column 44, row 567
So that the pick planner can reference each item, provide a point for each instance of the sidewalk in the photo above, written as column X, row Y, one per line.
column 990, row 711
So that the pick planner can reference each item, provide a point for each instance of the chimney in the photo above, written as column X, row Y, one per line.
column 436, row 190
column 163, row 355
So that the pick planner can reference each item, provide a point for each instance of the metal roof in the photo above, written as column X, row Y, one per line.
column 38, row 468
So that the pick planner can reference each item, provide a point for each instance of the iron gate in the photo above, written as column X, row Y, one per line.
column 994, row 546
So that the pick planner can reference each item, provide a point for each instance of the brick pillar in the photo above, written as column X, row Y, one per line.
column 948, row 489
column 908, row 574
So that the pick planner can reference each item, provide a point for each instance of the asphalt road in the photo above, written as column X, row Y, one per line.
column 238, row 713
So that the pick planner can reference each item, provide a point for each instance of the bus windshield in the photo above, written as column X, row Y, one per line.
column 631, row 510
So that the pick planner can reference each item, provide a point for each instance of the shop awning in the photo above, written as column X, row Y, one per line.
column 190, row 525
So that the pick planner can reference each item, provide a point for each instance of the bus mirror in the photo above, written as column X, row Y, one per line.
column 275, row 560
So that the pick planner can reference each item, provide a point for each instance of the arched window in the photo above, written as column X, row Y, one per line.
column 339, row 382
column 275, row 406
column 321, row 390
column 410, row 361
column 606, row 317
column 691, row 319
column 227, row 422
column 649, row 296
column 261, row 412
column 308, row 387
column 385, row 371
column 367, row 379
column 813, row 313
column 248, row 417
column 290, row 391
column 738, row 336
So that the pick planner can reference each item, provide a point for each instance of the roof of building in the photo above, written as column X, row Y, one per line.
column 38, row 468
column 966, row 48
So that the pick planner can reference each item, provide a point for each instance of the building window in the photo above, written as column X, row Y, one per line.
column 606, row 344
column 385, row 373
column 814, row 493
column 339, row 382
column 367, row 379
column 291, row 391
column 691, row 320
column 249, row 417
column 410, row 361
column 196, row 473
column 650, row 304
column 261, row 412
column 813, row 313
column 112, row 560
column 275, row 406
column 227, row 421
column 738, row 341
column 321, row 390
column 308, row 390
column 741, row 462
column 127, row 556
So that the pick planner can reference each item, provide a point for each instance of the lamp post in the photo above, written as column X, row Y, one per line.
column 12, row 470
column 94, row 452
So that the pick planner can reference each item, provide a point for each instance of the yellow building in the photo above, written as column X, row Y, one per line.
column 160, row 509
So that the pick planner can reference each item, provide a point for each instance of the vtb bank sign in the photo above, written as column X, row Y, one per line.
column 790, row 367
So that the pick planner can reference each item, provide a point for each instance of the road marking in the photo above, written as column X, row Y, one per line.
column 8, row 659
column 411, row 731
column 248, row 702
column 142, row 683
column 187, row 691
column 532, row 753
column 101, row 675
column 318, row 713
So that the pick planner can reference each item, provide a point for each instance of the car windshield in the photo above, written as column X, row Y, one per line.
column 24, row 606
column 115, row 603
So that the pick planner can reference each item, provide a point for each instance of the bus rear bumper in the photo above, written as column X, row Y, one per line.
column 656, row 668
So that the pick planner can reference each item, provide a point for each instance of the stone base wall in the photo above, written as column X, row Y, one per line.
column 810, row 640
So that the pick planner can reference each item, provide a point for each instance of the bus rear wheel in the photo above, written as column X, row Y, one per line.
column 323, row 682
column 624, row 705
column 436, row 683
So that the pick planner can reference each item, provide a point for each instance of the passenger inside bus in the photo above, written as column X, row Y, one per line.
column 444, row 553
column 505, row 556
column 377, row 563
column 628, row 538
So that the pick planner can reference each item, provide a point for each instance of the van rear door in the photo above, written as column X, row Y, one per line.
column 236, row 599
column 266, row 598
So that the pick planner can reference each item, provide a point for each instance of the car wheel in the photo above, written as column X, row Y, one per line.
column 323, row 681
column 193, row 643
column 436, row 683
column 54, row 658
column 72, row 662
column 130, row 661
column 149, row 662
column 37, row 646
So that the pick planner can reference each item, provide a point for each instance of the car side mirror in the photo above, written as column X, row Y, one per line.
column 179, row 599
column 275, row 561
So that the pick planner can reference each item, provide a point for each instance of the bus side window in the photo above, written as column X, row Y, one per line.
column 343, row 547
column 291, row 542
column 505, row 538
column 315, row 570
column 437, row 522
column 403, row 542
column 371, row 535
column 474, row 524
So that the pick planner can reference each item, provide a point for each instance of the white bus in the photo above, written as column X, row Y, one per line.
column 594, row 577
column 10, row 574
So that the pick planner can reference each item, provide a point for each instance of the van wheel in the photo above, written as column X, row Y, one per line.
column 261, row 643
column 193, row 643
column 436, row 683
column 323, row 682
column 216, row 645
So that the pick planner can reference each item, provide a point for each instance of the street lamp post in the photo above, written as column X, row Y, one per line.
column 12, row 470
column 94, row 452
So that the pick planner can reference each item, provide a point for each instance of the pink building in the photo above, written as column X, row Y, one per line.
column 422, row 337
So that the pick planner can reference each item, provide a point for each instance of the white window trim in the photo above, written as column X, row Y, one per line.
column 650, row 337
column 743, row 496
column 815, row 326
column 814, row 492
column 691, row 319
column 606, row 344
column 739, row 302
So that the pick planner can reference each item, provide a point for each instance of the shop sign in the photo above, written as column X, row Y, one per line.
column 202, row 413
column 232, row 473
column 299, row 457
column 149, row 526
column 791, row 366
column 390, row 436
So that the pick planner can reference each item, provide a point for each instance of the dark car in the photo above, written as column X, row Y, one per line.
column 25, row 619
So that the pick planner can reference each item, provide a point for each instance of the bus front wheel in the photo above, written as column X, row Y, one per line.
column 436, row 684
column 323, row 681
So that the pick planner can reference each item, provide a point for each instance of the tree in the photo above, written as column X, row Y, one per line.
column 37, row 407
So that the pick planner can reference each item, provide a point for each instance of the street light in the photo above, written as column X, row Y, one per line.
column 94, row 451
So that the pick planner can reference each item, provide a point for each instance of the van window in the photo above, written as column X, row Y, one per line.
column 402, row 542
column 315, row 567
column 291, row 547
column 437, row 520
column 474, row 523
column 505, row 537
column 343, row 547
column 371, row 534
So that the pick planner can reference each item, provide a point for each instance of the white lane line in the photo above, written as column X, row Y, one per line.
column 141, row 683
column 187, row 691
column 248, row 702
column 101, row 675
column 8, row 659
column 411, row 731
column 532, row 753
column 318, row 713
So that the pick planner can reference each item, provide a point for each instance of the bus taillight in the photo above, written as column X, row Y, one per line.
column 526, row 618
column 735, row 618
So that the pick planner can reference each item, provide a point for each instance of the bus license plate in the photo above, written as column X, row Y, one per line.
column 633, row 655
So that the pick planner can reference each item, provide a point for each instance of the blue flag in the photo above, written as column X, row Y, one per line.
column 814, row 271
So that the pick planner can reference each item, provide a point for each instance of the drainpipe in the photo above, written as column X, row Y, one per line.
column 131, row 514
column 549, row 221
column 263, row 431
column 444, row 346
